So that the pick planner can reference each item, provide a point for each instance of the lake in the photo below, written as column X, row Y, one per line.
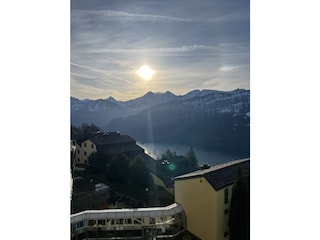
column 204, row 156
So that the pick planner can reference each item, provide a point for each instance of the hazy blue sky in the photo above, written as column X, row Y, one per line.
column 191, row 44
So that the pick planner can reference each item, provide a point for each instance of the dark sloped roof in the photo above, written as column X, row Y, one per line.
column 120, row 148
column 111, row 139
column 221, row 175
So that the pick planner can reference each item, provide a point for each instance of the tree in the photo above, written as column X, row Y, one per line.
column 239, row 218
column 97, row 162
column 168, row 155
column 118, row 169
column 192, row 158
column 83, row 132
column 139, row 172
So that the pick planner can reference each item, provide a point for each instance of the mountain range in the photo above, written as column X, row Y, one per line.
column 209, row 119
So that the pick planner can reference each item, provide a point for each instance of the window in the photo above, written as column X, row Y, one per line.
column 78, row 160
column 128, row 221
column 92, row 146
column 92, row 222
column 78, row 151
column 101, row 222
column 152, row 220
column 137, row 221
column 226, row 195
column 73, row 226
column 80, row 224
column 119, row 221
column 85, row 153
column 85, row 144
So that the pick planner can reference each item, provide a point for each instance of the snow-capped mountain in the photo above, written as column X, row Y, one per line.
column 209, row 118
column 150, row 99
column 102, row 111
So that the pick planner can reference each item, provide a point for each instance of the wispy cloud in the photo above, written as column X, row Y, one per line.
column 181, row 49
column 109, row 15
column 113, row 75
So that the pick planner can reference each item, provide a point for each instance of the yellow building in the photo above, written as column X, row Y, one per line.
column 205, row 196
column 81, row 152
column 87, row 148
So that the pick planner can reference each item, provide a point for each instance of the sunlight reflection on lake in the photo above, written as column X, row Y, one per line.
column 204, row 156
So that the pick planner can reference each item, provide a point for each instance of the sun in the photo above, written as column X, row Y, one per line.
column 145, row 72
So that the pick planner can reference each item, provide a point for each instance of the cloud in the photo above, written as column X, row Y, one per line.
column 181, row 49
column 109, row 15
column 227, row 68
column 109, row 74
column 191, row 44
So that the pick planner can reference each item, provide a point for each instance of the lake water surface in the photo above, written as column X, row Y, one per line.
column 204, row 156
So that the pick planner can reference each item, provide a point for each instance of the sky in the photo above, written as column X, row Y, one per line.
column 284, row 73
column 190, row 44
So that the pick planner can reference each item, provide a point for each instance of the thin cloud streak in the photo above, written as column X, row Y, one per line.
column 108, row 15
column 153, row 50
column 106, row 73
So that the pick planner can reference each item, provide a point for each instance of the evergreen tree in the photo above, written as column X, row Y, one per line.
column 168, row 155
column 83, row 132
column 97, row 162
column 192, row 158
column 239, row 218
column 139, row 172
column 118, row 169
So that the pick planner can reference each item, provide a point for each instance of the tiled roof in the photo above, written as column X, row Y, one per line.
column 221, row 175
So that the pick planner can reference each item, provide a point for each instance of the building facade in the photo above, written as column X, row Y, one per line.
column 142, row 223
column 205, row 196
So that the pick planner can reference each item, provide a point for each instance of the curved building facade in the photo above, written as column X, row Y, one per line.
column 142, row 223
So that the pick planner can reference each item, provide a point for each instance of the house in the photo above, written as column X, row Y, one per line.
column 205, row 196
column 75, row 149
column 109, row 143
column 113, row 143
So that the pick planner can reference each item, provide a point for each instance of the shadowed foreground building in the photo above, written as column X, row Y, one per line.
column 202, row 208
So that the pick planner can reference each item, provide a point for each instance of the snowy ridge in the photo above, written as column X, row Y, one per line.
column 102, row 111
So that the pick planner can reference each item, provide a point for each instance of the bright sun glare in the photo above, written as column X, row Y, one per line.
column 145, row 72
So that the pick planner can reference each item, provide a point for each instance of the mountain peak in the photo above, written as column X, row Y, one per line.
column 168, row 93
column 111, row 99
column 150, row 93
